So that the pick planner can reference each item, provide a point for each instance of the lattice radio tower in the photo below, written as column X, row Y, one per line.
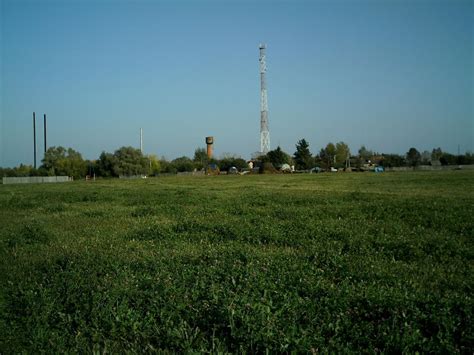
column 264, row 132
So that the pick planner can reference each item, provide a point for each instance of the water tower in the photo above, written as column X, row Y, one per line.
column 209, row 142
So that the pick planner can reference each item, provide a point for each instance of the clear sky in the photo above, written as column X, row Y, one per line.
column 387, row 74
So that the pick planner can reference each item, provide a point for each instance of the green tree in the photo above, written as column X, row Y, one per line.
column 75, row 166
column 200, row 158
column 342, row 154
column 436, row 153
column 182, row 164
column 154, row 165
column 328, row 155
column 129, row 161
column 469, row 158
column 21, row 171
column 447, row 159
column 105, row 166
column 53, row 158
column 393, row 160
column 61, row 161
column 302, row 157
column 24, row 170
column 228, row 161
column 365, row 154
column 240, row 163
column 167, row 167
column 413, row 157
column 278, row 157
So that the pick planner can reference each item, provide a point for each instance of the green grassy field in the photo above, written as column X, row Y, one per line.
column 329, row 262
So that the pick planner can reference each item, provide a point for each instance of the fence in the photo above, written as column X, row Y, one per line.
column 35, row 179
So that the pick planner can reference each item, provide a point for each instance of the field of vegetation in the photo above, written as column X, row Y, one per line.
column 312, row 263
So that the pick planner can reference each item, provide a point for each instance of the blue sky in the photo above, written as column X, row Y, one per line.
column 387, row 74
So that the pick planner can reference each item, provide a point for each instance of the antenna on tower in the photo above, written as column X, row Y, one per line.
column 264, row 132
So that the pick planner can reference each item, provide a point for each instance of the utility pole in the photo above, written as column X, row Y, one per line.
column 141, row 140
column 34, row 140
column 45, row 146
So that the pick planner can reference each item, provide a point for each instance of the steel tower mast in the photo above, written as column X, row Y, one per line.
column 264, row 132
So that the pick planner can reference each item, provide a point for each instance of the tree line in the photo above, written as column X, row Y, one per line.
column 125, row 161
column 129, row 161
column 339, row 156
